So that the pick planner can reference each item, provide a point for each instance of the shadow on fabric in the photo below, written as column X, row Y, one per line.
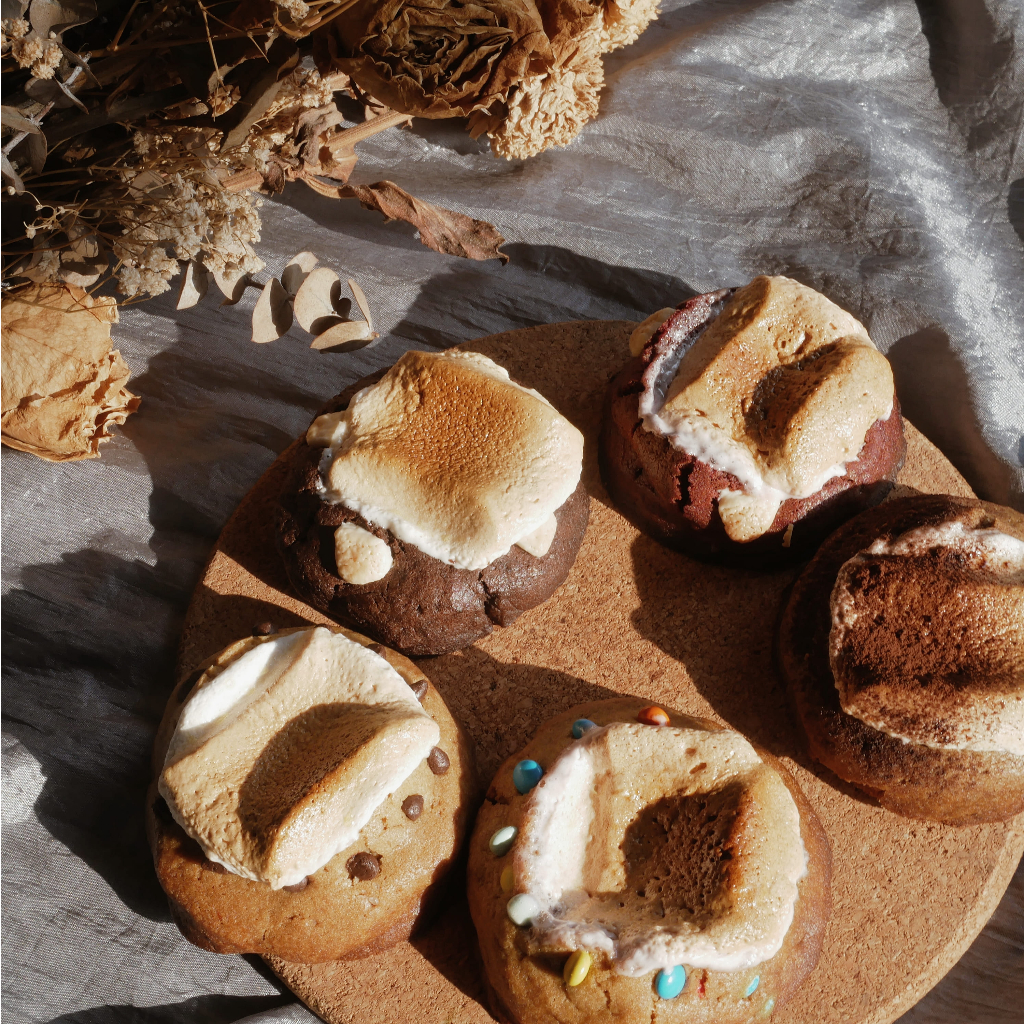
column 199, row 1010
column 943, row 412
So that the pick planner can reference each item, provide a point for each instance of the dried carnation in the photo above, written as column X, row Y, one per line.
column 625, row 20
column 549, row 109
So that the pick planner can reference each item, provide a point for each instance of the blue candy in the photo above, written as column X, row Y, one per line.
column 752, row 987
column 526, row 775
column 670, row 981
column 582, row 725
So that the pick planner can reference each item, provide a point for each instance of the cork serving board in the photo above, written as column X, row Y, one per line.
column 635, row 618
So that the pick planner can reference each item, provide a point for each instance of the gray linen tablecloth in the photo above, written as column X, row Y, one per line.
column 871, row 149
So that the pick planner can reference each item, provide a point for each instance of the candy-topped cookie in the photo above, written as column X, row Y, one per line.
column 312, row 791
column 902, row 645
column 749, row 422
column 434, row 503
column 633, row 864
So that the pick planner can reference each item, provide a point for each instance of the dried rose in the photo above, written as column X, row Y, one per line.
column 441, row 58
column 63, row 387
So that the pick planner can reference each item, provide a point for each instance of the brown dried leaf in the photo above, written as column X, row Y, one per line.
column 317, row 298
column 63, row 387
column 58, row 15
column 442, row 230
column 345, row 337
column 14, row 119
column 194, row 283
column 298, row 269
column 272, row 316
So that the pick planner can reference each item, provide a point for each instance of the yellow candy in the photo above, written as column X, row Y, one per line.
column 577, row 967
column 508, row 878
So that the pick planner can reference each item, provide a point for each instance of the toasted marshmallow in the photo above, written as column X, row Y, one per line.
column 624, row 841
column 280, row 759
column 360, row 556
column 450, row 455
column 927, row 638
column 779, row 390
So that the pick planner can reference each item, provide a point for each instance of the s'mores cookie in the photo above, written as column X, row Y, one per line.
column 632, row 864
column 749, row 422
column 434, row 503
column 902, row 646
column 312, row 792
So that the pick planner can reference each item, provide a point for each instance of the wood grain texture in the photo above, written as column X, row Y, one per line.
column 635, row 618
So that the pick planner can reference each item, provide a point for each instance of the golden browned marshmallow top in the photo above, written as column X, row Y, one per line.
column 621, row 845
column 450, row 455
column 779, row 390
column 278, row 760
column 927, row 638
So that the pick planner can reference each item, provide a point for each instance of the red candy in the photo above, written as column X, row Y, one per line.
column 653, row 716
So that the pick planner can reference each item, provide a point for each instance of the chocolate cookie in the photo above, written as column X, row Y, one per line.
column 422, row 605
column 918, row 645
column 673, row 495
column 676, row 855
column 368, row 897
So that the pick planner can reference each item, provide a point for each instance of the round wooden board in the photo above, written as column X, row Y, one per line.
column 635, row 618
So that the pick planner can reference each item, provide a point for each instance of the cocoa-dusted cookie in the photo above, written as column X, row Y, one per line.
column 448, row 503
column 269, row 800
column 902, row 646
column 749, row 423
column 632, row 864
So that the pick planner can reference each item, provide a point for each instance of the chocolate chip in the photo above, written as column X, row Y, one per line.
column 412, row 806
column 437, row 761
column 377, row 649
column 298, row 886
column 263, row 629
column 212, row 865
column 419, row 688
column 363, row 866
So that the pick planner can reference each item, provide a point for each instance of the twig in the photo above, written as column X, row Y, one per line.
column 350, row 136
column 124, row 24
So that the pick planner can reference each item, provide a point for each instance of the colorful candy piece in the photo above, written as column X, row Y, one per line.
column 582, row 725
column 577, row 967
column 522, row 909
column 653, row 716
column 526, row 775
column 766, row 1010
column 752, row 987
column 502, row 840
column 670, row 981
column 508, row 878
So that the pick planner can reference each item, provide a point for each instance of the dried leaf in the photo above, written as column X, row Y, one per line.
column 82, row 271
column 272, row 316
column 345, row 337
column 10, row 175
column 35, row 146
column 364, row 306
column 59, row 15
column 442, row 230
column 62, row 386
column 232, row 282
column 317, row 298
column 194, row 283
column 297, row 271
column 14, row 119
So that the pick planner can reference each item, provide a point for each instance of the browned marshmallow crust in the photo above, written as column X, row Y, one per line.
column 525, row 984
column 365, row 899
column 423, row 605
column 958, row 787
column 673, row 496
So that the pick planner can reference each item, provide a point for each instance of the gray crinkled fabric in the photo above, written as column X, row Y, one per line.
column 870, row 149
